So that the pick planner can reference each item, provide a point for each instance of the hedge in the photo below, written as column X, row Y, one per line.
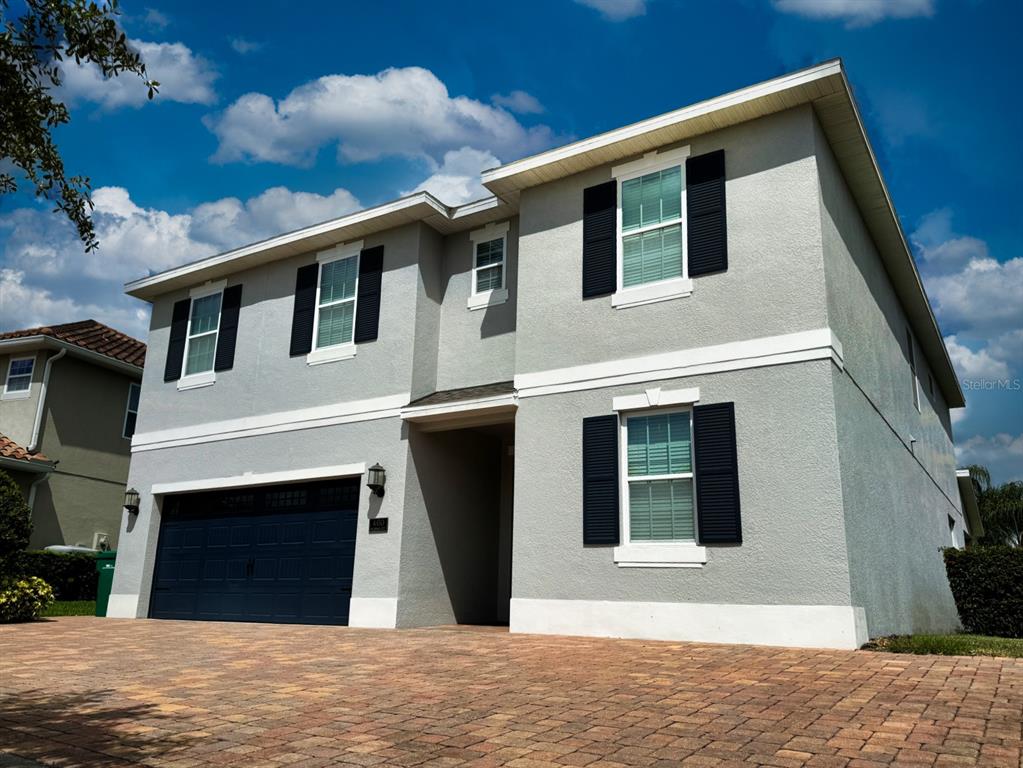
column 72, row 575
column 987, row 583
column 23, row 598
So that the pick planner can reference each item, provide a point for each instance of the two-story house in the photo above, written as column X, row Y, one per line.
column 68, row 406
column 679, row 380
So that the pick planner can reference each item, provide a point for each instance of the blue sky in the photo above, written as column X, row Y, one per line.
column 274, row 117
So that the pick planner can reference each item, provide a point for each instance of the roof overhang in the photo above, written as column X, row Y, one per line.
column 826, row 88
column 26, row 465
column 971, row 509
column 477, row 412
column 35, row 343
column 421, row 206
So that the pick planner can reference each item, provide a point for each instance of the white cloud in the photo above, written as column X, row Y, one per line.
column 183, row 76
column 519, row 102
column 155, row 19
column 940, row 248
column 616, row 10
column 47, row 270
column 983, row 298
column 974, row 365
column 398, row 112
column 857, row 13
column 1002, row 454
column 457, row 180
column 243, row 46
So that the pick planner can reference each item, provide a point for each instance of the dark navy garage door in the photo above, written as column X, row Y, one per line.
column 278, row 553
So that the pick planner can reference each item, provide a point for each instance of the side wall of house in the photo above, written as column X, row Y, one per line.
column 897, row 463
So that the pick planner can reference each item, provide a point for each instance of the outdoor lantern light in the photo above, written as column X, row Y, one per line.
column 375, row 479
column 131, row 501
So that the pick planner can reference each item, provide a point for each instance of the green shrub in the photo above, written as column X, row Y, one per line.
column 72, row 575
column 987, row 583
column 15, row 525
column 23, row 599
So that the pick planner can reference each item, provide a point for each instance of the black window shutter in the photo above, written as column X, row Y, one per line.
column 717, row 474
column 600, row 213
column 176, row 344
column 367, row 308
column 600, row 480
column 230, row 305
column 305, row 309
column 705, row 213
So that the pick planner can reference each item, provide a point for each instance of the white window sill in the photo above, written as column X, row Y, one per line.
column 668, row 555
column 330, row 354
column 664, row 290
column 488, row 299
column 197, row 380
column 18, row 395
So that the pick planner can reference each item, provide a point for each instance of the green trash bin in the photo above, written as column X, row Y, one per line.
column 105, row 567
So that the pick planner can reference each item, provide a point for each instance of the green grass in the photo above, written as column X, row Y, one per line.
column 950, row 645
column 71, row 608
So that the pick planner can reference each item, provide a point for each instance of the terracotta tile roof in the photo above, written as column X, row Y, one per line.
column 11, row 450
column 90, row 335
column 466, row 393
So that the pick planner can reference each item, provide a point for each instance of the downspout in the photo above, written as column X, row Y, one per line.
column 32, row 491
column 33, row 446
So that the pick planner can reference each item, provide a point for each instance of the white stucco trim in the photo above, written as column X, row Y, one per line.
column 487, row 298
column 650, row 293
column 385, row 407
column 658, row 555
column 819, row 344
column 197, row 380
column 340, row 251
column 260, row 478
column 373, row 612
column 331, row 354
column 123, row 606
column 655, row 397
column 801, row 626
column 207, row 289
column 414, row 412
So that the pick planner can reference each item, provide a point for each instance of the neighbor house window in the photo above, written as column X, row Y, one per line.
column 19, row 376
column 335, row 302
column 131, row 412
column 911, row 351
column 658, row 456
column 489, row 275
column 203, row 326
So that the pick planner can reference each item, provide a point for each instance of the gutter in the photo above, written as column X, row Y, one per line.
column 41, row 340
column 33, row 445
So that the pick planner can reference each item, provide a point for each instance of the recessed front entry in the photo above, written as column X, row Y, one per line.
column 277, row 554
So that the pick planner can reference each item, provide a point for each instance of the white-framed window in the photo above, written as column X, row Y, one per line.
column 337, row 292
column 658, row 485
column 489, row 275
column 911, row 353
column 201, row 338
column 131, row 410
column 19, row 378
column 651, row 229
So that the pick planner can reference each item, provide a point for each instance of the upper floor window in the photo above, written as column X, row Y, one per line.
column 19, row 377
column 652, row 228
column 658, row 456
column 911, row 354
column 335, row 301
column 201, row 342
column 131, row 412
column 489, row 266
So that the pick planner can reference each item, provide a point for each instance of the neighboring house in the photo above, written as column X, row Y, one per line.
column 67, row 413
column 679, row 380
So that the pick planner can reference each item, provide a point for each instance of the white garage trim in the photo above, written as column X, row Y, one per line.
column 260, row 478
column 801, row 626
column 123, row 607
column 373, row 612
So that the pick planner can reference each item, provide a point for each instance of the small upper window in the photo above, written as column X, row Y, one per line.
column 911, row 352
column 131, row 412
column 19, row 376
column 658, row 455
column 488, row 272
column 203, row 326
column 335, row 302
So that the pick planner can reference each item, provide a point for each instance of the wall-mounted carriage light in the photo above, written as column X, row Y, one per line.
column 375, row 479
column 131, row 501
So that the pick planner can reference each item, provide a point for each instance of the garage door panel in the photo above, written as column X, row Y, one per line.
column 282, row 554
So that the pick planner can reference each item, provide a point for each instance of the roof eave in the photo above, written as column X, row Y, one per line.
column 42, row 341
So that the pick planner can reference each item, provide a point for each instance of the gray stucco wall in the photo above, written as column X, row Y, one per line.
column 794, row 550
column 476, row 346
column 17, row 415
column 774, row 283
column 381, row 440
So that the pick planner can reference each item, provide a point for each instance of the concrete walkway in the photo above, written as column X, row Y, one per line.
column 83, row 691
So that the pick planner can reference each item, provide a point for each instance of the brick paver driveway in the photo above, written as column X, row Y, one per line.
column 82, row 691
